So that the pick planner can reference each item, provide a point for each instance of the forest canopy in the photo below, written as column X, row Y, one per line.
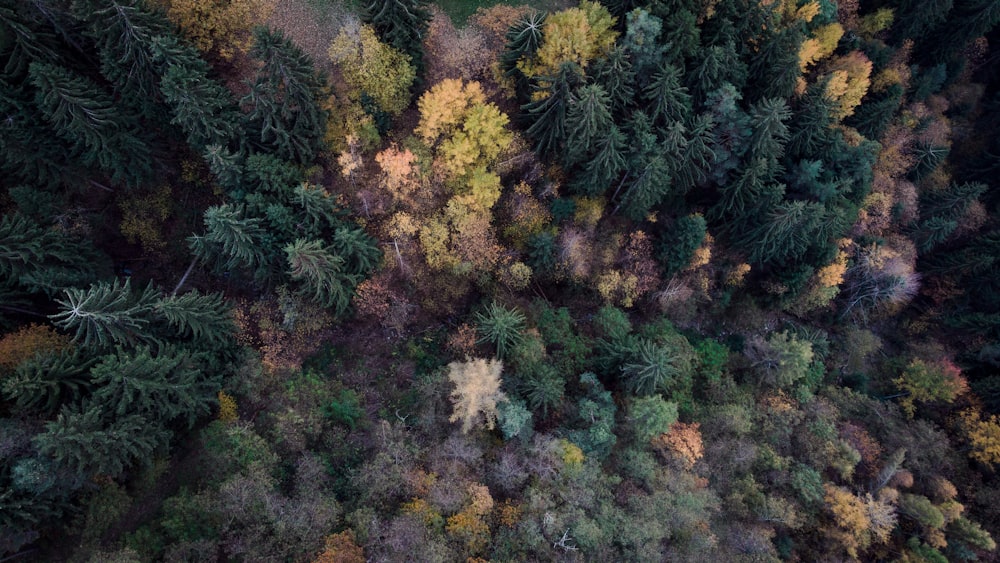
column 621, row 280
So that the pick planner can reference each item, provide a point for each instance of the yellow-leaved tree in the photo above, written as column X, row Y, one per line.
column 373, row 68
column 576, row 35
column 221, row 27
column 477, row 391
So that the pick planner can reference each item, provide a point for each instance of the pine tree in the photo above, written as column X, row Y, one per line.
column 502, row 327
column 162, row 388
column 80, row 440
column 107, row 313
column 321, row 272
column 285, row 113
column 717, row 65
column 588, row 120
column 810, row 127
column 402, row 24
column 785, row 233
column 201, row 317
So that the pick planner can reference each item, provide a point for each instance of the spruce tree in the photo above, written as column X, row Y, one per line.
column 321, row 272
column 604, row 166
column 668, row 100
column 162, row 388
column 770, row 132
column 82, row 440
column 401, row 24
column 43, row 260
column 124, row 31
column 616, row 75
column 47, row 381
column 285, row 114
column 100, row 132
column 231, row 241
column 775, row 69
column 587, row 122
column 201, row 107
column 198, row 316
column 523, row 39
column 107, row 313
column 547, row 116
column 358, row 249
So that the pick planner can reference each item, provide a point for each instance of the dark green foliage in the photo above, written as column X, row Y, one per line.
column 124, row 33
column 501, row 327
column 230, row 240
column 345, row 409
column 668, row 100
column 82, row 440
column 322, row 274
column 770, row 133
column 872, row 117
column 107, row 313
column 85, row 116
column 523, row 40
column 44, row 260
column 542, row 254
column 604, row 166
column 616, row 75
column 596, row 419
column 717, row 65
column 201, row 317
column 162, row 388
column 201, row 106
column 47, row 381
column 285, row 117
column 678, row 243
column 543, row 388
column 588, row 121
column 774, row 70
column 651, row 368
column 641, row 41
column 401, row 24
column 547, row 117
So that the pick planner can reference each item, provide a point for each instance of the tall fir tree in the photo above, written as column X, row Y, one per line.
column 285, row 116
column 86, row 116
column 321, row 273
column 588, row 120
column 108, row 313
column 81, row 440
column 547, row 115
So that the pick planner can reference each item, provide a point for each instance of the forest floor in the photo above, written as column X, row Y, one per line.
column 311, row 25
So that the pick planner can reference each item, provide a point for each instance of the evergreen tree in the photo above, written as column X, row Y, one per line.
column 523, row 40
column 696, row 155
column 641, row 41
column 876, row 112
column 231, row 240
column 44, row 260
column 616, row 75
column 162, row 388
column 785, row 233
column 107, row 313
column 668, row 100
column 717, row 65
column 810, row 127
column 47, row 381
column 285, row 113
column 587, row 122
column 547, row 115
column 202, row 107
column 677, row 244
column 321, row 272
column 359, row 250
column 402, row 24
column 913, row 18
column 123, row 31
column 86, row 116
column 968, row 20
column 770, row 133
column 201, row 317
column 775, row 69
column 81, row 440
column 604, row 166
